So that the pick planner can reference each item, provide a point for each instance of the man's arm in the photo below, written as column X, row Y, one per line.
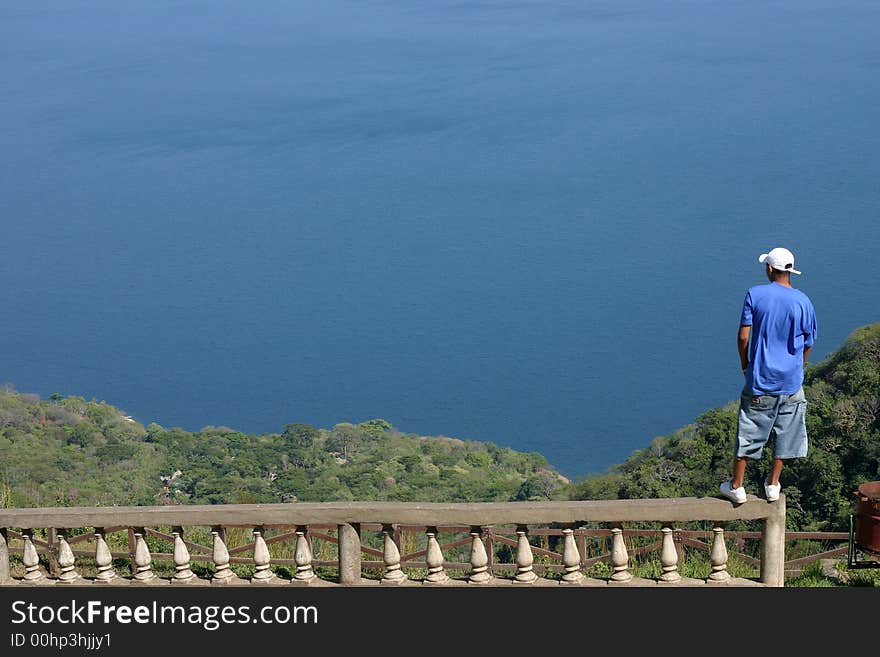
column 742, row 345
column 745, row 330
column 809, row 331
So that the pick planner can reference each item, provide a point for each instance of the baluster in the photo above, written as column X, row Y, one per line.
column 524, row 557
column 103, row 558
column 669, row 557
column 66, row 560
column 5, row 574
column 571, row 559
column 303, row 557
column 33, row 572
column 132, row 546
column 479, row 559
column 223, row 573
column 262, row 573
column 434, row 559
column 619, row 557
column 391, row 556
column 718, row 556
column 182, row 571
column 143, row 562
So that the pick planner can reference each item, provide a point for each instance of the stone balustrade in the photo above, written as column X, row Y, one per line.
column 299, row 524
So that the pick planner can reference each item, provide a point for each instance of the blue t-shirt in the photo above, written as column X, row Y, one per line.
column 783, row 322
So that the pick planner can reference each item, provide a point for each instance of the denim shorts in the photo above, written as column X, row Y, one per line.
column 763, row 415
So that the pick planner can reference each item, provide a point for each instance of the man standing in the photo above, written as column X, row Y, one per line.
column 776, row 333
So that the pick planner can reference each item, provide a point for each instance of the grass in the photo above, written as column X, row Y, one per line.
column 812, row 576
column 859, row 576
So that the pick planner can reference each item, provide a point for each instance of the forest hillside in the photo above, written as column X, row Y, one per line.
column 69, row 451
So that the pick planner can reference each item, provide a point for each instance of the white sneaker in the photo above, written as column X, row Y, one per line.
column 735, row 495
column 772, row 491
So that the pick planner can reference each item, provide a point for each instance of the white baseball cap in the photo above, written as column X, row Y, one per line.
column 780, row 259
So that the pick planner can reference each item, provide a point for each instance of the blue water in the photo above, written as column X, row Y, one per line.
column 531, row 223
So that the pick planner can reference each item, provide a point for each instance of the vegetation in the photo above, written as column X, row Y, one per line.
column 69, row 451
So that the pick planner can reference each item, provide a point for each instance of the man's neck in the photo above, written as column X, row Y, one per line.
column 784, row 281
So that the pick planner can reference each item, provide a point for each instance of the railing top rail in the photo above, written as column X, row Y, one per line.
column 679, row 509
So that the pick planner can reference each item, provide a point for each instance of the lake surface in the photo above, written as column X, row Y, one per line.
column 531, row 223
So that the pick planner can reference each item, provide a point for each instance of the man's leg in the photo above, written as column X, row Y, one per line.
column 775, row 471
column 791, row 433
column 739, row 471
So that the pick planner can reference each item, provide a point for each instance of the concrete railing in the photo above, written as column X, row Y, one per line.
column 299, row 524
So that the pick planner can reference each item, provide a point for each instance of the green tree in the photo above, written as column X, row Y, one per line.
column 299, row 436
column 376, row 427
column 345, row 439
